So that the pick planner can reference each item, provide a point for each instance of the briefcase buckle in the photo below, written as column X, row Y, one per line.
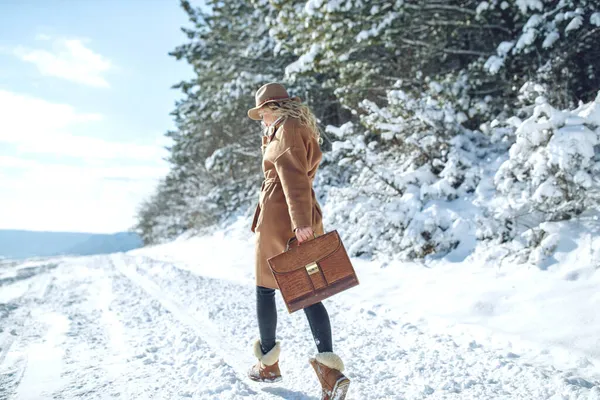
column 312, row 268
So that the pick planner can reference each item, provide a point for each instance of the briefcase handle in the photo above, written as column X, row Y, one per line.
column 290, row 240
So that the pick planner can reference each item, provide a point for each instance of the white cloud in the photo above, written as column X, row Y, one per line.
column 37, row 126
column 90, row 184
column 27, row 115
column 114, row 171
column 14, row 162
column 68, row 59
column 42, row 199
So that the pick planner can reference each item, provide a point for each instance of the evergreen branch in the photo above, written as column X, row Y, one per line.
column 434, row 7
column 462, row 24
column 466, row 52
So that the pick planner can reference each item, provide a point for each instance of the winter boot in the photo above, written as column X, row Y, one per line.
column 329, row 367
column 267, row 367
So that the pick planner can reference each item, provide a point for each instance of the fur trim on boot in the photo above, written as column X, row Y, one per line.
column 271, row 357
column 330, row 360
column 334, row 384
column 266, row 368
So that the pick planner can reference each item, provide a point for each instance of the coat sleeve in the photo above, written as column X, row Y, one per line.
column 292, row 168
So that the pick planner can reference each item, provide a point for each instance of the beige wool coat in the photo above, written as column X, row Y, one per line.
column 287, row 199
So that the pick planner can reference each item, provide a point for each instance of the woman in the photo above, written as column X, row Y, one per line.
column 288, row 207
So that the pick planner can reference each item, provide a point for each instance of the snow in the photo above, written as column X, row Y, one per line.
column 525, row 5
column 553, row 158
column 483, row 6
column 504, row 48
column 342, row 131
column 177, row 321
column 572, row 147
column 526, row 39
column 493, row 64
column 575, row 24
column 533, row 22
column 210, row 162
column 304, row 63
column 377, row 29
column 13, row 291
column 551, row 38
column 45, row 359
column 547, row 189
column 312, row 6
column 595, row 19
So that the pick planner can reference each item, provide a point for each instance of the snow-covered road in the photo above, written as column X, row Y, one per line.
column 130, row 326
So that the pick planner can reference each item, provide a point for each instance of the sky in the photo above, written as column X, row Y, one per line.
column 85, row 97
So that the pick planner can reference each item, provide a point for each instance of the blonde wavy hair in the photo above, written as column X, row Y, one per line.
column 295, row 109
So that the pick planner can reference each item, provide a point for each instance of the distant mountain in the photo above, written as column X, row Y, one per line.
column 102, row 244
column 23, row 244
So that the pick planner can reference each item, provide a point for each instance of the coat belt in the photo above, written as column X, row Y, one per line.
column 268, row 180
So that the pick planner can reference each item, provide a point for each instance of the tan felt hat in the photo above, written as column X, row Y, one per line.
column 269, row 93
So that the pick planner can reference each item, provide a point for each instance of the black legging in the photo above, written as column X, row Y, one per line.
column 317, row 316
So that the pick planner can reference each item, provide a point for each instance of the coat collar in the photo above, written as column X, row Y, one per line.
column 270, row 134
column 273, row 128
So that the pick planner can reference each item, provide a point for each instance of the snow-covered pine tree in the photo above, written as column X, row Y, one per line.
column 401, row 68
column 552, row 43
column 418, row 98
column 215, row 156
column 553, row 169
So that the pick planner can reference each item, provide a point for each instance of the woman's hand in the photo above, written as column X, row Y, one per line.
column 305, row 233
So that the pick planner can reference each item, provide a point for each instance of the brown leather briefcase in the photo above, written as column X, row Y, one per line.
column 312, row 271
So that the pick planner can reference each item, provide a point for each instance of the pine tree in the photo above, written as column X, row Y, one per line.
column 412, row 94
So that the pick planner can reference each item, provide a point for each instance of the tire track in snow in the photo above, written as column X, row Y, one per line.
column 38, row 287
column 16, row 320
column 6, row 341
column 206, row 330
column 122, row 343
